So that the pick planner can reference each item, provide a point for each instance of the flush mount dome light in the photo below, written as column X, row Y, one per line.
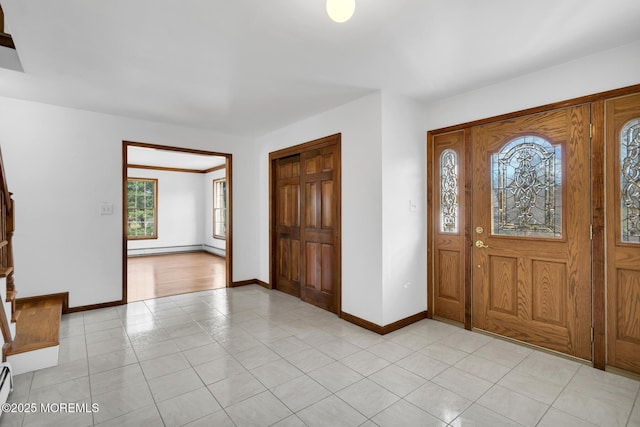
column 341, row 10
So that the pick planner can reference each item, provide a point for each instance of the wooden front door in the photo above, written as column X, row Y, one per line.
column 306, row 224
column 450, row 242
column 530, row 229
column 622, row 117
column 287, row 218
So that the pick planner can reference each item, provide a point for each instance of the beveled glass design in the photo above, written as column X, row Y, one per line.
column 630, row 181
column 449, row 191
column 527, row 189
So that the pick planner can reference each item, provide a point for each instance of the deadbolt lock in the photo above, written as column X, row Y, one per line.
column 479, row 230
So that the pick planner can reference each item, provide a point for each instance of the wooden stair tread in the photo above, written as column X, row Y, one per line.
column 5, row 271
column 38, row 326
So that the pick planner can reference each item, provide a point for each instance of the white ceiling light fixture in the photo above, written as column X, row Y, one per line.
column 341, row 10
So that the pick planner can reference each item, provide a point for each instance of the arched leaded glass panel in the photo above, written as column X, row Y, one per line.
column 449, row 191
column 527, row 188
column 630, row 181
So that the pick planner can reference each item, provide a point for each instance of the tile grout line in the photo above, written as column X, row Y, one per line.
column 635, row 404
column 556, row 398
column 264, row 312
column 135, row 353
column 86, row 349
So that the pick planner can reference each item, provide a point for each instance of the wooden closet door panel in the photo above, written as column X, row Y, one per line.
column 320, row 229
column 287, row 224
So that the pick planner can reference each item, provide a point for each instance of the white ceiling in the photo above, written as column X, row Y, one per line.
column 250, row 66
column 171, row 159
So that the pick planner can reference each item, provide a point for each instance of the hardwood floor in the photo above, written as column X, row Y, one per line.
column 165, row 275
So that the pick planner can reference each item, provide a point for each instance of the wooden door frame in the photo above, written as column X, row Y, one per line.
column 229, row 178
column 598, row 248
column 291, row 151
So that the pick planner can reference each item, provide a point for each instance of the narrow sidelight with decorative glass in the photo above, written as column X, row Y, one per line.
column 449, row 191
column 630, row 181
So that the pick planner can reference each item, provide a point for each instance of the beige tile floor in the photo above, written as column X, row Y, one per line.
column 252, row 357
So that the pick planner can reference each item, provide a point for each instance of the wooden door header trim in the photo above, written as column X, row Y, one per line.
column 179, row 149
column 296, row 149
column 164, row 168
column 168, row 169
column 601, row 96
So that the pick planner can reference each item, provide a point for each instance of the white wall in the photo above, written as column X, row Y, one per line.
column 383, row 167
column 359, row 123
column 9, row 59
column 607, row 70
column 181, row 212
column 213, row 245
column 403, row 236
column 61, row 163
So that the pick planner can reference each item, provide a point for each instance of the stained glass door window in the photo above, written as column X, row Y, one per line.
column 630, row 181
column 527, row 189
column 449, row 191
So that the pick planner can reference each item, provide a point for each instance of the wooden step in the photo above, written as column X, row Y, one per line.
column 37, row 327
column 5, row 271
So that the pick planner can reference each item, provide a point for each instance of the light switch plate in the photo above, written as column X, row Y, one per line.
column 106, row 208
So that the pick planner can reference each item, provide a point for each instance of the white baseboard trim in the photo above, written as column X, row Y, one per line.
column 214, row 250
column 164, row 250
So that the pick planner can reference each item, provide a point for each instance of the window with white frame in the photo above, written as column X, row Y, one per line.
column 220, row 208
column 142, row 208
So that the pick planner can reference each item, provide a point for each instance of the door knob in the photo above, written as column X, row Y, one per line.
column 480, row 244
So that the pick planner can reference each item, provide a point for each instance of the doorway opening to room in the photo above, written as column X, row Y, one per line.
column 177, row 210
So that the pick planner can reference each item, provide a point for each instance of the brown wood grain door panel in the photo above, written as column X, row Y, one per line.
column 623, row 256
column 288, row 225
column 319, row 232
column 535, row 289
column 449, row 241
column 306, row 223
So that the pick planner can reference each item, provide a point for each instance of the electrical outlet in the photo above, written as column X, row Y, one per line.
column 412, row 206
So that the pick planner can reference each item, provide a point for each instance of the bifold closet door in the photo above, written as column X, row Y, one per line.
column 306, row 222
column 287, row 225
column 320, row 231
